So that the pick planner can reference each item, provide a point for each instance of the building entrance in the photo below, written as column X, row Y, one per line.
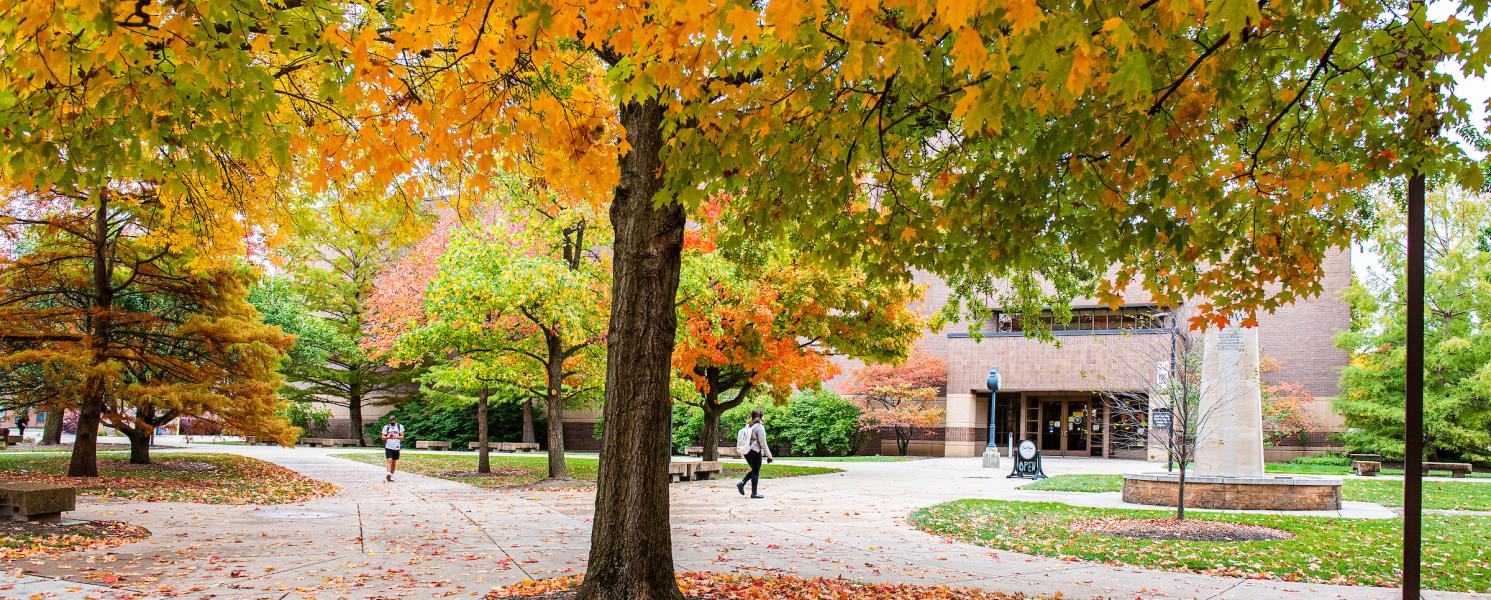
column 1065, row 425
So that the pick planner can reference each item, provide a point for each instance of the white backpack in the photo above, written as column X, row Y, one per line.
column 743, row 440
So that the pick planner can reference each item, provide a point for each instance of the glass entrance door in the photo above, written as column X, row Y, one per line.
column 1077, row 423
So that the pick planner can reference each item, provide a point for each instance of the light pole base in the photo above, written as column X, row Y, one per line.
column 991, row 458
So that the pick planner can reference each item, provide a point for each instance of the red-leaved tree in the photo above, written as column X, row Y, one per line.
column 899, row 397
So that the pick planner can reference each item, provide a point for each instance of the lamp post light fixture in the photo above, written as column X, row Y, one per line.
column 991, row 452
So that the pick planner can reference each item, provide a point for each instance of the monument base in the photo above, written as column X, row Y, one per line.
column 991, row 458
column 1239, row 493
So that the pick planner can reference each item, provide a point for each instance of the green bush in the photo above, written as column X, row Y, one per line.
column 307, row 417
column 819, row 423
column 811, row 423
column 1324, row 459
column 445, row 420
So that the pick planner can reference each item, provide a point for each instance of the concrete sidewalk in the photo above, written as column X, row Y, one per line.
column 427, row 537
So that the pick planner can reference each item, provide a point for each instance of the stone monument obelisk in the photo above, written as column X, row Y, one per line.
column 1230, row 434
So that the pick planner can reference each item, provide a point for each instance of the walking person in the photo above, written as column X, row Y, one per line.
column 751, row 442
column 393, row 441
column 21, row 422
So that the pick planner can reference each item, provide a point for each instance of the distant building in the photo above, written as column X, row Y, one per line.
column 1057, row 396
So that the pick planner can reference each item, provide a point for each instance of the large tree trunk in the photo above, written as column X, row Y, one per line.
column 528, row 435
column 90, row 410
column 139, row 444
column 709, row 434
column 631, row 545
column 51, row 431
column 483, row 453
column 554, row 403
column 354, row 414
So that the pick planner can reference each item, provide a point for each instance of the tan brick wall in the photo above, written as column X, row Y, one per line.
column 1301, row 337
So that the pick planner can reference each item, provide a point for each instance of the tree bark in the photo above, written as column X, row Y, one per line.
column 709, row 434
column 139, row 444
column 84, row 461
column 354, row 415
column 528, row 435
column 554, row 403
column 631, row 545
column 483, row 454
column 51, row 432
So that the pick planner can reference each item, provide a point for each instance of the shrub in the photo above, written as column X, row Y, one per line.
column 811, row 423
column 307, row 417
column 1340, row 460
column 455, row 422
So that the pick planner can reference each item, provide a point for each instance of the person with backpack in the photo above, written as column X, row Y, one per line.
column 750, row 441
column 393, row 442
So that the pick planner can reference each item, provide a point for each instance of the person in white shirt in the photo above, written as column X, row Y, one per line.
column 754, row 434
column 393, row 441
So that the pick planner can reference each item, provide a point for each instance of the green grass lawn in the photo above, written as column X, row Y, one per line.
column 175, row 477
column 1443, row 495
column 525, row 469
column 1341, row 470
column 850, row 458
column 1324, row 550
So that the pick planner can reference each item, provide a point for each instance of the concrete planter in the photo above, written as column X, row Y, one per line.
column 1242, row 493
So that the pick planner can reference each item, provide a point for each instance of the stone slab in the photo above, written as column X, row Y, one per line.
column 1246, row 493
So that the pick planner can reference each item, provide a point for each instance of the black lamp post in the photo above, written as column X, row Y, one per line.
column 991, row 452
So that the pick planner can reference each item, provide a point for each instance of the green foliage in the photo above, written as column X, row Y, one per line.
column 1457, row 336
column 819, row 423
column 307, row 417
column 442, row 419
column 813, row 422
column 1323, row 459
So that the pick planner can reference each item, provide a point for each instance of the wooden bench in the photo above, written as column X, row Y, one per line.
column 44, row 502
column 431, row 445
column 1455, row 469
column 1367, row 468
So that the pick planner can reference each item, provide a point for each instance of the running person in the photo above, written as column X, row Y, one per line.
column 393, row 441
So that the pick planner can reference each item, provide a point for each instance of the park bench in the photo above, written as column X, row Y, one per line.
column 338, row 442
column 518, row 447
column 1365, row 457
column 705, row 470
column 312, row 442
column 693, row 451
column 1367, row 468
column 681, row 471
column 44, row 502
column 1455, row 469
column 729, row 451
column 431, row 445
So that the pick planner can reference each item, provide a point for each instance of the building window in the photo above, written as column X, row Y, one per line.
column 1087, row 319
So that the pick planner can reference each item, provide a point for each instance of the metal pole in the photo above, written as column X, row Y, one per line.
column 1413, row 446
column 1420, row 128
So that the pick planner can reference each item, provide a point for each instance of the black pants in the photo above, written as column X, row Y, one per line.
column 753, row 458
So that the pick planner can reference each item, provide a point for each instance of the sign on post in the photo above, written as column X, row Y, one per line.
column 1161, row 418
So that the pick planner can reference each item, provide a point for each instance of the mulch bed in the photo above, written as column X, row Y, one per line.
column 22, row 539
column 496, row 472
column 173, row 466
column 1189, row 530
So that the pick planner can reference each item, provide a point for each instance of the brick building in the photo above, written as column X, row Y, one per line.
column 1061, row 395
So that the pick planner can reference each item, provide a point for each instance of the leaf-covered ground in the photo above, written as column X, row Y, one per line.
column 1457, row 549
column 524, row 469
column 175, row 477
column 1438, row 495
column 723, row 586
column 27, row 540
